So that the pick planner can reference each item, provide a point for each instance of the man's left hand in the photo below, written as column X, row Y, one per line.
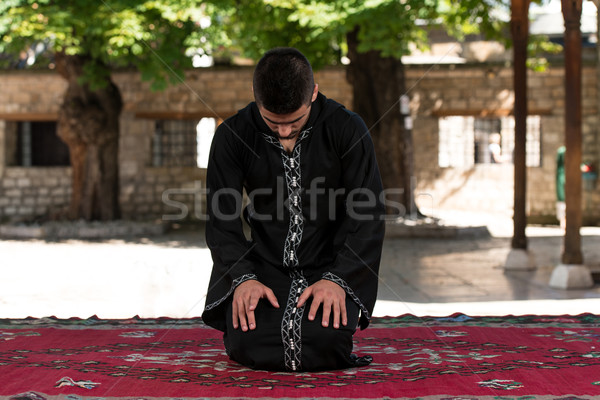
column 331, row 296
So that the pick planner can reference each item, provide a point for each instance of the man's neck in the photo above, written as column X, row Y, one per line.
column 288, row 144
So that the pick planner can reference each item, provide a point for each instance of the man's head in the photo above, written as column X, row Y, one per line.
column 283, row 81
column 284, row 89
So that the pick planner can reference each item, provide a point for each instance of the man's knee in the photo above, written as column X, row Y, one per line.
column 239, row 344
column 320, row 348
column 326, row 348
column 259, row 348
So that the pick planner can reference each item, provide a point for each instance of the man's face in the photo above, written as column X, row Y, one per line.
column 286, row 126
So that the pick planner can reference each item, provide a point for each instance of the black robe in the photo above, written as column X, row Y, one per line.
column 315, row 213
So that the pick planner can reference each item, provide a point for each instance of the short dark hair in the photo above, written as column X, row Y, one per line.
column 283, row 80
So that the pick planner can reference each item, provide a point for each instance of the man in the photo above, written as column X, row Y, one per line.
column 292, row 297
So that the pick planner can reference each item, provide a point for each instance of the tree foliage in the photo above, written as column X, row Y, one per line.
column 153, row 36
column 393, row 28
column 149, row 35
column 390, row 27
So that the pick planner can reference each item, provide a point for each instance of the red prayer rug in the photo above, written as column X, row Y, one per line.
column 528, row 357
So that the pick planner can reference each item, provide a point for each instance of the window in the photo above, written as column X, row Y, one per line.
column 36, row 144
column 205, row 132
column 534, row 142
column 466, row 141
column 182, row 143
column 456, row 147
column 174, row 143
column 489, row 148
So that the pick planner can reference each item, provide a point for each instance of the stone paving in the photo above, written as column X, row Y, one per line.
column 467, row 274
column 167, row 275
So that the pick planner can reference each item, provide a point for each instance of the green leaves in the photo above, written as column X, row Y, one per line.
column 392, row 27
column 154, row 35
column 539, row 46
column 469, row 17
column 150, row 35
column 255, row 26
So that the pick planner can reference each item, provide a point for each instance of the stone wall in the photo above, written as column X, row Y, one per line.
column 30, row 192
column 146, row 192
column 174, row 193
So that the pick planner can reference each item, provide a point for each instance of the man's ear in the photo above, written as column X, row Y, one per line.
column 315, row 92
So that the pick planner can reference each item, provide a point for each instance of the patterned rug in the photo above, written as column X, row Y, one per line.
column 530, row 357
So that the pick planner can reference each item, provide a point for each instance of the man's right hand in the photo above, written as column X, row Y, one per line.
column 245, row 300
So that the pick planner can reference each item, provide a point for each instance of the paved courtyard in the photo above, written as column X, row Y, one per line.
column 167, row 275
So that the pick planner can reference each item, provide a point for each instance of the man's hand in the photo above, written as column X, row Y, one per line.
column 245, row 300
column 333, row 298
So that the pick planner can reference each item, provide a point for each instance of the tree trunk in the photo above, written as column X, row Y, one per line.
column 378, row 82
column 88, row 122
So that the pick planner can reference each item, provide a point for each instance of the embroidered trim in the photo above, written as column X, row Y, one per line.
column 293, row 178
column 291, row 325
column 336, row 279
column 236, row 282
column 272, row 140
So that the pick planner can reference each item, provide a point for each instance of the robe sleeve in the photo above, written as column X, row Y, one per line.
column 230, row 250
column 360, row 237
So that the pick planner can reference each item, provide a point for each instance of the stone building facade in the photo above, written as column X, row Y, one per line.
column 456, row 112
column 485, row 95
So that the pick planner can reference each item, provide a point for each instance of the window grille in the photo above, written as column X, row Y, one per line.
column 182, row 143
column 37, row 144
column 486, row 132
column 174, row 143
column 465, row 141
column 533, row 157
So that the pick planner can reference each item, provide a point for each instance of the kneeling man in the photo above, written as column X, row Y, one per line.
column 291, row 296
